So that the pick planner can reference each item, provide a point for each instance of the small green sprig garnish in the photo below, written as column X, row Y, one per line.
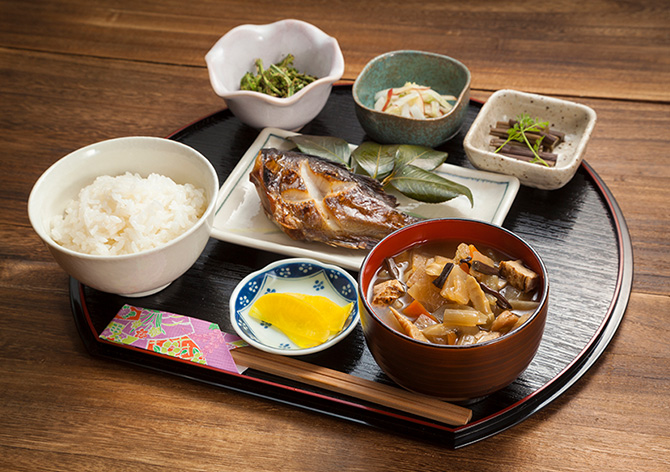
column 279, row 80
column 525, row 124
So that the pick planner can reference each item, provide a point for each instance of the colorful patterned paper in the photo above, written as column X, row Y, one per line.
column 170, row 334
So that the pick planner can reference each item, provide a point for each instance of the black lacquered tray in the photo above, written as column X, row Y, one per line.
column 578, row 230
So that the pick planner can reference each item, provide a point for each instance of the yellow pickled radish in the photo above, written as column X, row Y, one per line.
column 334, row 314
column 304, row 319
column 300, row 321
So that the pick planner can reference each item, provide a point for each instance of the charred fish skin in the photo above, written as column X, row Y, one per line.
column 313, row 199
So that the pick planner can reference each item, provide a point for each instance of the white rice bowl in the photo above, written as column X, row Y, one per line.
column 135, row 236
column 126, row 214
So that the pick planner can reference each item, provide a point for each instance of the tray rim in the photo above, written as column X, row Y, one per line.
column 378, row 416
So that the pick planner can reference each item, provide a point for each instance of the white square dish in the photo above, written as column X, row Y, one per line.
column 240, row 218
column 575, row 120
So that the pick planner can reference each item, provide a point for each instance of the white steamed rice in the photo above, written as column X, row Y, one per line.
column 128, row 214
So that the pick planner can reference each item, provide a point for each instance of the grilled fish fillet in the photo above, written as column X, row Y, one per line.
column 313, row 199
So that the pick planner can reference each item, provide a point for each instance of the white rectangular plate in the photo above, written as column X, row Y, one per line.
column 240, row 218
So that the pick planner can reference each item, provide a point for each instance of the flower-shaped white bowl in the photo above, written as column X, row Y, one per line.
column 299, row 275
column 141, row 273
column 575, row 120
column 235, row 54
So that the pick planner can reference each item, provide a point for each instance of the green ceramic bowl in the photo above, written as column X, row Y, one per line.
column 443, row 74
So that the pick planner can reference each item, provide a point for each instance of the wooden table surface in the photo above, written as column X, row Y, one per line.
column 80, row 71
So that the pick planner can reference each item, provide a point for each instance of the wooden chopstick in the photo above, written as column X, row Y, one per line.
column 333, row 380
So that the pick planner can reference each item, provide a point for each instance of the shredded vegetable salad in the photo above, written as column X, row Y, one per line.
column 413, row 101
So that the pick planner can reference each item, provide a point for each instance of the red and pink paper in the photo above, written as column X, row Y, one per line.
column 170, row 334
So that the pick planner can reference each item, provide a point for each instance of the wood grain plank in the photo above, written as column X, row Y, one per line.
column 596, row 49
column 627, row 148
column 83, row 421
column 75, row 72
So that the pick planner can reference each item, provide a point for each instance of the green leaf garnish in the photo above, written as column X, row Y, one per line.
column 423, row 157
column 375, row 160
column 328, row 147
column 426, row 186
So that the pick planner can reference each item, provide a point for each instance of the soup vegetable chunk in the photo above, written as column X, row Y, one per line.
column 452, row 294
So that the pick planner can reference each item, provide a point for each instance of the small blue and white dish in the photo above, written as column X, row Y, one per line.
column 301, row 275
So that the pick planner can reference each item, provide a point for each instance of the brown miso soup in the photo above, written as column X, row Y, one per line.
column 454, row 293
